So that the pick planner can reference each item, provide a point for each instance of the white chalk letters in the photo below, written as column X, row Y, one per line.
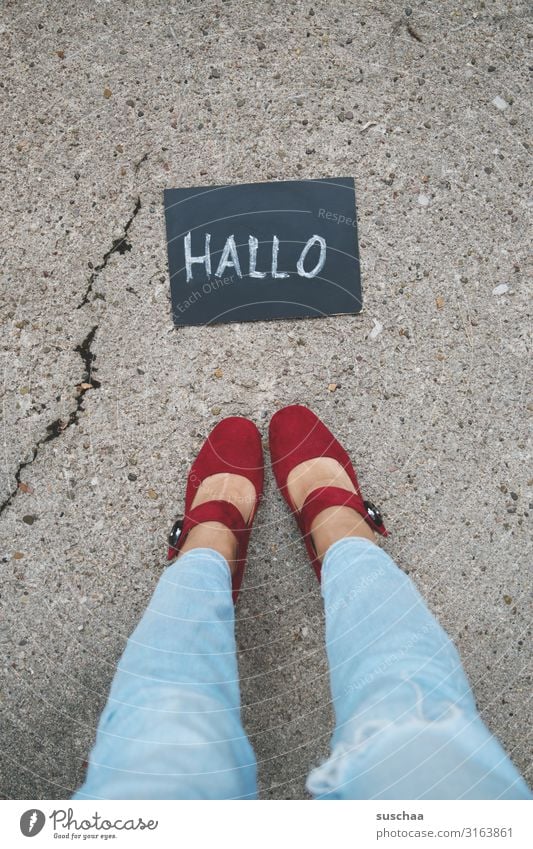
column 230, row 258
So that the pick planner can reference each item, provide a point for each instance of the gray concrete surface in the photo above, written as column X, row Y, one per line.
column 106, row 104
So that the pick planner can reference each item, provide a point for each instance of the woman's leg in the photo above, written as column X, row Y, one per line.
column 407, row 725
column 171, row 728
column 406, row 721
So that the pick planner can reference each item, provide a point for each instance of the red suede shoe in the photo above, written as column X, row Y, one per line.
column 233, row 446
column 296, row 434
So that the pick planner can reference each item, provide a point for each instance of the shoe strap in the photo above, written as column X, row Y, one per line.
column 210, row 511
column 333, row 496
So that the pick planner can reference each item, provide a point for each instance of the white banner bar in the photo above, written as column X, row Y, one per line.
column 254, row 825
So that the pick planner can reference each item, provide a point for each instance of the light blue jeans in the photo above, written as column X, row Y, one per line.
column 406, row 722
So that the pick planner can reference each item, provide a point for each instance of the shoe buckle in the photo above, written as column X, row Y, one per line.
column 175, row 533
column 374, row 513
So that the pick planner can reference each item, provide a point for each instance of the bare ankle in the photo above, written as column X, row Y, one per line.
column 336, row 523
column 215, row 536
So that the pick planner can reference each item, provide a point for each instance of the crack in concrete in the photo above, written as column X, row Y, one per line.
column 140, row 162
column 84, row 349
column 57, row 427
column 119, row 246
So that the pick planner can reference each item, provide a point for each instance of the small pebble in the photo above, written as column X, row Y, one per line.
column 132, row 477
column 500, row 289
column 376, row 330
column 29, row 520
column 424, row 200
column 500, row 103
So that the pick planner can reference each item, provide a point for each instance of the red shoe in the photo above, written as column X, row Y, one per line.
column 296, row 434
column 233, row 446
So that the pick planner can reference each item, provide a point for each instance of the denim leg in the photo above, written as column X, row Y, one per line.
column 171, row 728
column 406, row 721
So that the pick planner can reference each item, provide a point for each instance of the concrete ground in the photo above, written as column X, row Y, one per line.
column 105, row 404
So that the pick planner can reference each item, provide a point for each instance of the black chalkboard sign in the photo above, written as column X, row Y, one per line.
column 263, row 251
